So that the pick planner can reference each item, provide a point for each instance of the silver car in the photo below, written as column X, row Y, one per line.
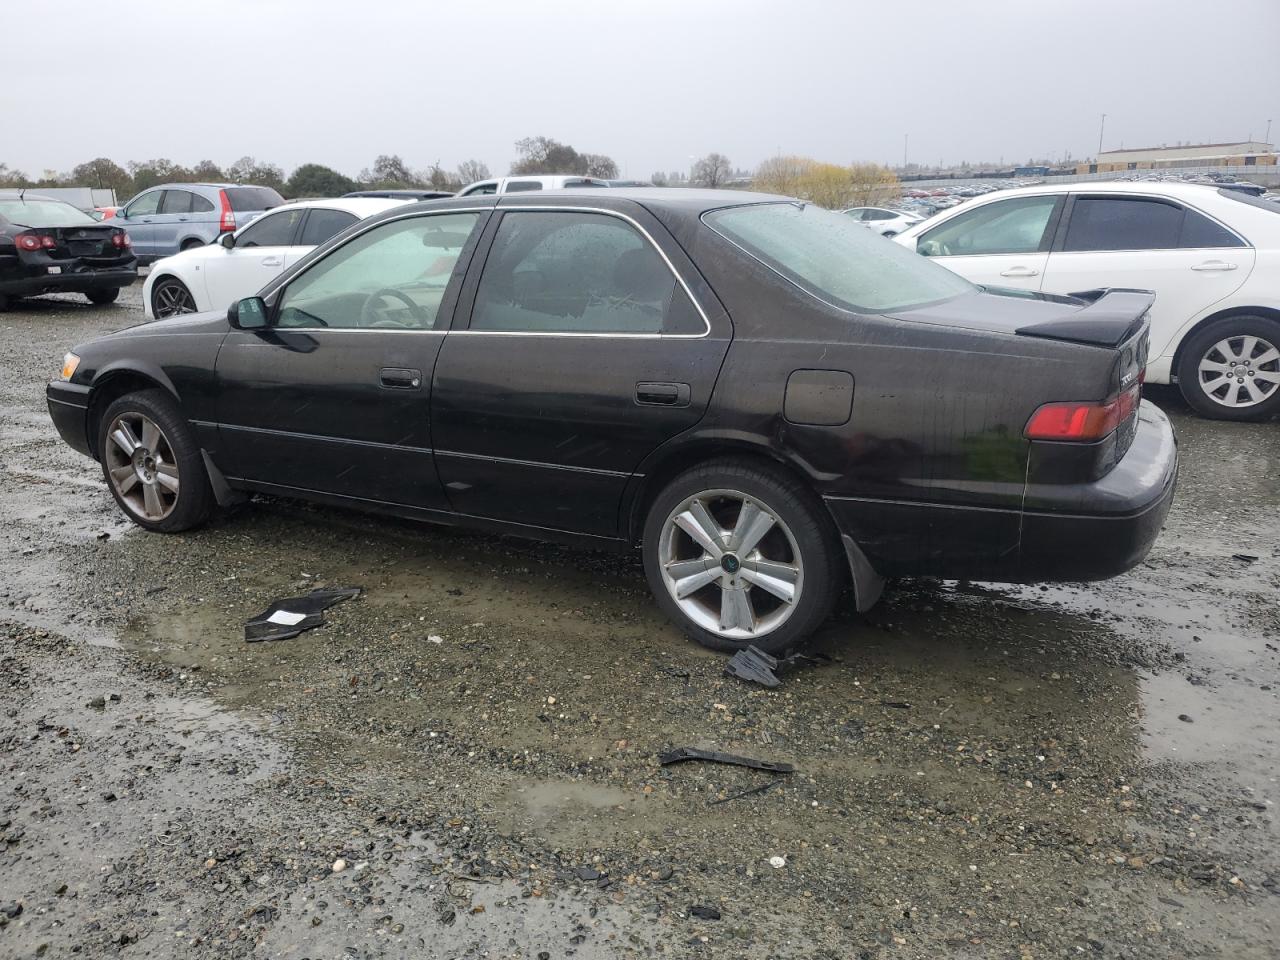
column 173, row 217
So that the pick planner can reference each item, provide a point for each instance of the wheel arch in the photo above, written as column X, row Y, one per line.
column 1227, row 313
column 113, row 383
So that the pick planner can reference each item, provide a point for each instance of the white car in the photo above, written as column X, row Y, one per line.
column 887, row 223
column 240, row 264
column 1212, row 257
column 555, row 181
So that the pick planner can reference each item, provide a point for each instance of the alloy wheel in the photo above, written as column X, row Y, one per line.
column 172, row 299
column 1240, row 371
column 142, row 467
column 731, row 564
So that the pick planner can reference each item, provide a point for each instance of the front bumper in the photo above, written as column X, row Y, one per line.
column 69, row 410
column 1065, row 532
column 23, row 279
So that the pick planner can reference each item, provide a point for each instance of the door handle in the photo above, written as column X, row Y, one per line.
column 663, row 394
column 184, row 219
column 272, row 261
column 400, row 378
column 1209, row 265
column 1019, row 272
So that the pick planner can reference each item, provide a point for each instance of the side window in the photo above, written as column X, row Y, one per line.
column 1016, row 225
column 271, row 230
column 146, row 205
column 392, row 277
column 177, row 201
column 201, row 204
column 322, row 224
column 570, row 272
column 1199, row 231
column 522, row 186
column 1122, row 223
column 482, row 189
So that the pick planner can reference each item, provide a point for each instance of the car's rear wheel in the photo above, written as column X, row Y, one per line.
column 1230, row 370
column 170, row 298
column 191, row 244
column 4, row 302
column 152, row 463
column 104, row 295
column 739, row 555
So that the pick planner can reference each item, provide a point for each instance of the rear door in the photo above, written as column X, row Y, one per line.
column 257, row 258
column 176, row 220
column 580, row 350
column 1152, row 243
column 1004, row 243
column 320, row 224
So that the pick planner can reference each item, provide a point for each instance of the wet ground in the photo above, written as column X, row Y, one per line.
column 462, row 762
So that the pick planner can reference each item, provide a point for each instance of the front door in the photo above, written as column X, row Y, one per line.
column 334, row 396
column 257, row 258
column 583, row 352
column 1000, row 244
column 139, row 221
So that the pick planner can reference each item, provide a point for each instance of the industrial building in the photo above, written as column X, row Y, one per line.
column 1249, row 153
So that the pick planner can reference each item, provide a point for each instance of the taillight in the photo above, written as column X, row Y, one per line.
column 228, row 221
column 121, row 241
column 1082, row 421
column 35, row 241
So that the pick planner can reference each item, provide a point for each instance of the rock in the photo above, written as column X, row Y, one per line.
column 704, row 912
column 1184, row 718
column 777, row 862
column 11, row 909
column 339, row 865
column 97, row 703
column 587, row 873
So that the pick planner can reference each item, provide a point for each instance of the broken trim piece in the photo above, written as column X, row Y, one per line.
column 681, row 754
column 288, row 618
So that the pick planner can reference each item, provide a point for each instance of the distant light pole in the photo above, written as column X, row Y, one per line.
column 1102, row 127
column 1267, row 138
column 906, row 138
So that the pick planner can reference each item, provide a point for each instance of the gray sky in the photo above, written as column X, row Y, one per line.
column 649, row 83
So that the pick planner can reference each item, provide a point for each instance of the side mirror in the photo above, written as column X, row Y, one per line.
column 248, row 314
column 228, row 240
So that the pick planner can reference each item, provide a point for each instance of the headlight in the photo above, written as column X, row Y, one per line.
column 69, row 364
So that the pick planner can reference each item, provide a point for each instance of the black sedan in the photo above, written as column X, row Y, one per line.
column 47, row 246
column 768, row 400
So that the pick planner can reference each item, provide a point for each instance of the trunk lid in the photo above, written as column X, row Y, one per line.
column 92, row 242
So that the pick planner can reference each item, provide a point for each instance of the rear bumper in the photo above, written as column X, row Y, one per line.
column 69, row 411
column 1065, row 532
column 22, row 279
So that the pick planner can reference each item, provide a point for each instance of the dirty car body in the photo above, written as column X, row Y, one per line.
column 766, row 423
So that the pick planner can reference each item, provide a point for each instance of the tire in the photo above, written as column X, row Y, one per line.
column 173, row 453
column 171, row 298
column 4, row 302
column 889, row 234
column 191, row 244
column 800, row 546
column 1251, row 343
column 103, row 296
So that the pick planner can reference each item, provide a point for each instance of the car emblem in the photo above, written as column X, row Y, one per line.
column 79, row 233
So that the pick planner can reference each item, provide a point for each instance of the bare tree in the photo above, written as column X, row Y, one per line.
column 469, row 171
column 598, row 165
column 713, row 170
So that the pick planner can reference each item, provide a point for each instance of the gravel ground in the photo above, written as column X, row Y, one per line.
column 462, row 762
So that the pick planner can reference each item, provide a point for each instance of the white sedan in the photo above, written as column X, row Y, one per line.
column 887, row 223
column 240, row 264
column 1211, row 256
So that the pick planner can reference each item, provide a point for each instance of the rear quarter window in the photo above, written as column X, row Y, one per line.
column 252, row 198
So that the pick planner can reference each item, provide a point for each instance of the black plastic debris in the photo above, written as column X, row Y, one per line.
column 704, row 912
column 763, row 788
column 680, row 754
column 1244, row 557
column 756, row 666
column 288, row 618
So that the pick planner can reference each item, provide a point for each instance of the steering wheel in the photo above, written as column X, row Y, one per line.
column 370, row 312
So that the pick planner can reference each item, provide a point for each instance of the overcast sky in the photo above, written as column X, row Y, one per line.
column 649, row 83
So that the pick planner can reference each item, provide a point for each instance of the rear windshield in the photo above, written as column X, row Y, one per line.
column 835, row 258
column 43, row 213
column 252, row 198
column 1261, row 202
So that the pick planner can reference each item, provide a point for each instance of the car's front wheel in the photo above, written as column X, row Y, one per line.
column 170, row 298
column 1230, row 370
column 740, row 554
column 104, row 295
column 152, row 463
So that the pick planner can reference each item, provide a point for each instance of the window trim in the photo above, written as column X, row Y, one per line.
column 1048, row 238
column 466, row 330
column 1060, row 240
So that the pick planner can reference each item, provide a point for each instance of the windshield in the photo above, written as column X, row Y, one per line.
column 43, row 213
column 835, row 259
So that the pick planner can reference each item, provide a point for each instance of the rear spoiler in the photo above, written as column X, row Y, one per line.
column 1109, row 318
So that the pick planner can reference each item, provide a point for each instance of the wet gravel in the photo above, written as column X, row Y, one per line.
column 463, row 761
